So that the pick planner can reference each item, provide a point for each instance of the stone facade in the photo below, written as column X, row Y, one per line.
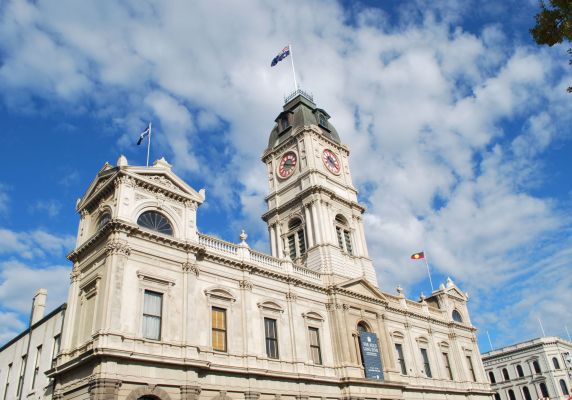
column 158, row 310
column 535, row 369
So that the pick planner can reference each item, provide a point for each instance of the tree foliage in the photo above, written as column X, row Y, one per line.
column 554, row 24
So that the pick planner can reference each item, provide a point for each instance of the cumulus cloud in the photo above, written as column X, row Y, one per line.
column 34, row 244
column 10, row 325
column 447, row 127
column 19, row 282
column 50, row 207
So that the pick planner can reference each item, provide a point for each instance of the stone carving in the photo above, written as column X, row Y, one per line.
column 291, row 296
column 245, row 284
column 161, row 180
column 191, row 267
column 118, row 247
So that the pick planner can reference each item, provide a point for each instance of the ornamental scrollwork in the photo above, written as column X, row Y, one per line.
column 291, row 296
column 118, row 247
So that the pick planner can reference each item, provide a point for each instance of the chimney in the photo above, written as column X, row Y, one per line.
column 38, row 306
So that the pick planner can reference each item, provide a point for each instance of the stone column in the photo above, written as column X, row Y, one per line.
column 189, row 392
column 309, row 225
column 317, row 230
column 279, row 242
column 103, row 389
column 272, row 234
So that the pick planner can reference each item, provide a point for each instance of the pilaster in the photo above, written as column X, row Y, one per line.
column 103, row 389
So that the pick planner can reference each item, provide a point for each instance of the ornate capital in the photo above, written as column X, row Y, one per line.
column 83, row 213
column 291, row 296
column 190, row 267
column 118, row 247
column 245, row 284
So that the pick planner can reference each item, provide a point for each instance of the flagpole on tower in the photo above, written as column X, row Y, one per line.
column 148, row 143
column 293, row 70
column 428, row 271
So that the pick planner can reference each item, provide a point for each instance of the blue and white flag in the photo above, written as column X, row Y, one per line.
column 281, row 56
column 144, row 134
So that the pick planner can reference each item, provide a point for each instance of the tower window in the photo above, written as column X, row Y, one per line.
column 457, row 316
column 152, row 313
column 104, row 219
column 322, row 120
column 526, row 393
column 492, row 377
column 519, row 371
column 511, row 395
column 447, row 366
column 544, row 390
column 536, row 366
column 505, row 374
column 343, row 234
column 155, row 221
column 555, row 362
column 296, row 239
column 563, row 387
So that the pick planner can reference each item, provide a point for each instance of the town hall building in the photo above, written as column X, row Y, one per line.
column 158, row 310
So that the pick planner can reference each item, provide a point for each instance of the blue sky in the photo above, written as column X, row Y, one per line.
column 458, row 124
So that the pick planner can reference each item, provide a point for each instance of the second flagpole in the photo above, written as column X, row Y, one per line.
column 293, row 70
column 148, row 143
column 428, row 271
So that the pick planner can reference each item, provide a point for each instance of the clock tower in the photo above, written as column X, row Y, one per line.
column 313, row 216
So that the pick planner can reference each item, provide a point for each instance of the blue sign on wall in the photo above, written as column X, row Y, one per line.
column 371, row 356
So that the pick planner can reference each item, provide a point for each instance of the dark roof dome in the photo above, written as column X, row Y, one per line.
column 300, row 110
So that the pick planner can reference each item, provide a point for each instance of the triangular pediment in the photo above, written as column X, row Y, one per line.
column 455, row 292
column 105, row 175
column 361, row 287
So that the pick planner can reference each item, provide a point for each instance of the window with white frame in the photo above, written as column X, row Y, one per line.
column 343, row 234
column 400, row 358
column 471, row 368
column 36, row 366
column 296, row 239
column 56, row 349
column 219, row 329
column 315, row 349
column 152, row 314
column 7, row 387
column 21, row 377
column 271, row 337
column 447, row 364
column 426, row 365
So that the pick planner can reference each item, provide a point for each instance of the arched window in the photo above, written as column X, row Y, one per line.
column 155, row 221
column 361, row 328
column 296, row 239
column 519, row 371
column 511, row 395
column 497, row 396
column 505, row 374
column 457, row 316
column 536, row 366
column 563, row 387
column 104, row 219
column 555, row 362
column 492, row 377
column 343, row 234
column 526, row 393
column 544, row 389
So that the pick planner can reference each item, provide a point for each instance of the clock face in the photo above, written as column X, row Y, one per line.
column 287, row 165
column 331, row 161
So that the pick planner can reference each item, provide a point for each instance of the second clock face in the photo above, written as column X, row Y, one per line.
column 331, row 161
column 287, row 164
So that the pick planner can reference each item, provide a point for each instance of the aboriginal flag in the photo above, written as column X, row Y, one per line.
column 418, row 256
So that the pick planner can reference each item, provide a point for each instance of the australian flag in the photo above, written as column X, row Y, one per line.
column 282, row 55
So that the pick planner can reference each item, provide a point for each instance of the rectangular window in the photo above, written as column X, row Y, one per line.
column 447, row 366
column 348, row 242
column 271, row 337
column 56, row 349
column 471, row 368
column 292, row 246
column 400, row 358
column 152, row 313
column 315, row 351
column 301, row 241
column 7, row 388
column 340, row 237
column 37, row 366
column 219, row 329
column 21, row 378
column 426, row 365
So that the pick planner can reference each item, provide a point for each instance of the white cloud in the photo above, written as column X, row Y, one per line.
column 10, row 326
column 34, row 244
column 19, row 282
column 50, row 207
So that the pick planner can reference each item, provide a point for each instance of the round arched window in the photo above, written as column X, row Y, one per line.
column 362, row 327
column 457, row 316
column 104, row 219
column 155, row 221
